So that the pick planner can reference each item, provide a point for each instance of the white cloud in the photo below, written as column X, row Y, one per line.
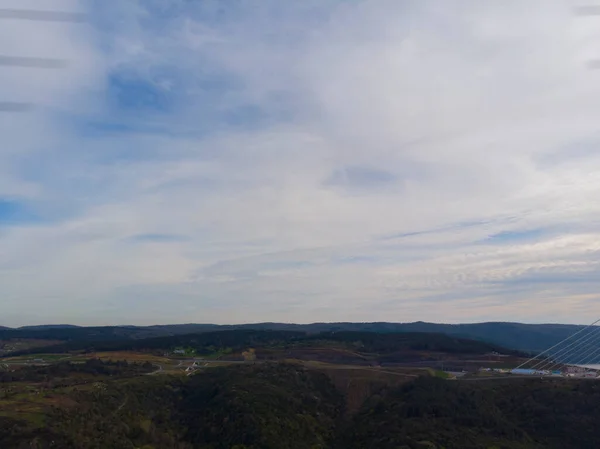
column 294, row 144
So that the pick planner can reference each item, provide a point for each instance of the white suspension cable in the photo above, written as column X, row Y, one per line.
column 589, row 357
column 593, row 357
column 579, row 350
column 557, row 344
column 573, row 344
column 573, row 348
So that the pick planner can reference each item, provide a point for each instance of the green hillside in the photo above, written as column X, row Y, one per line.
column 390, row 346
column 525, row 337
column 433, row 413
column 286, row 406
column 266, row 406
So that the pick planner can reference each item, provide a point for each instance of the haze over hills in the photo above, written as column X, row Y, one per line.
column 524, row 337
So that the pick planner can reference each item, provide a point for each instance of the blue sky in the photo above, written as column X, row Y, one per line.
column 301, row 161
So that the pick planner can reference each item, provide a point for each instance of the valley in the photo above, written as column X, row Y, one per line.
column 248, row 388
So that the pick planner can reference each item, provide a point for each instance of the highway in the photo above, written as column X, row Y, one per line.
column 159, row 370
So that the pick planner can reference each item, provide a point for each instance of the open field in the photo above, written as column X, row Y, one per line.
column 129, row 356
column 31, row 357
column 354, row 357
column 31, row 401
column 358, row 383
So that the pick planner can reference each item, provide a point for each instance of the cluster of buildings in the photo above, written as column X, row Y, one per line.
column 495, row 370
column 568, row 371
column 192, row 368
column 534, row 372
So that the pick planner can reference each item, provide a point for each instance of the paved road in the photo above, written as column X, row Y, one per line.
column 160, row 368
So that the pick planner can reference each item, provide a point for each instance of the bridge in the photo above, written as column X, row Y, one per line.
column 576, row 356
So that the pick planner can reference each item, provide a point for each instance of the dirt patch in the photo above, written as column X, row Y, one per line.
column 358, row 384
column 129, row 356
column 330, row 355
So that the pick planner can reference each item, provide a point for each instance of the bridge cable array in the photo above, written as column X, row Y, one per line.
column 580, row 349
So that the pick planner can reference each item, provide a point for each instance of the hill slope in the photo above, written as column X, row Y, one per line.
column 336, row 347
column 435, row 414
column 525, row 337
column 285, row 406
column 270, row 406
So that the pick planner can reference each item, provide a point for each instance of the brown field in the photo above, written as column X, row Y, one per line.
column 358, row 383
column 129, row 356
column 332, row 355
column 33, row 403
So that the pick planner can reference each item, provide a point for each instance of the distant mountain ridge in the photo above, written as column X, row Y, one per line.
column 523, row 337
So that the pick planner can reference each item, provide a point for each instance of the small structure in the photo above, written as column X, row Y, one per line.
column 584, row 374
column 526, row 372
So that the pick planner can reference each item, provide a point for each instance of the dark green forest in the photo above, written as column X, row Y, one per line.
column 286, row 406
column 274, row 406
column 432, row 413
column 92, row 367
column 208, row 343
column 525, row 337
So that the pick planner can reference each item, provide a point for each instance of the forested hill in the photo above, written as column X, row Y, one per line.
column 278, row 344
column 526, row 337
column 431, row 413
column 268, row 406
column 286, row 406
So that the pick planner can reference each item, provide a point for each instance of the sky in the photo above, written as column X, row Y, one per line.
column 324, row 160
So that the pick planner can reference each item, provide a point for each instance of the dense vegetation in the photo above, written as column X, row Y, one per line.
column 272, row 406
column 226, row 342
column 526, row 337
column 285, row 406
column 372, row 342
column 92, row 367
column 433, row 413
column 268, row 406
column 103, row 333
column 132, row 413
column 203, row 343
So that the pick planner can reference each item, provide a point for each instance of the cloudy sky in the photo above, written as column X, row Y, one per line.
column 300, row 161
